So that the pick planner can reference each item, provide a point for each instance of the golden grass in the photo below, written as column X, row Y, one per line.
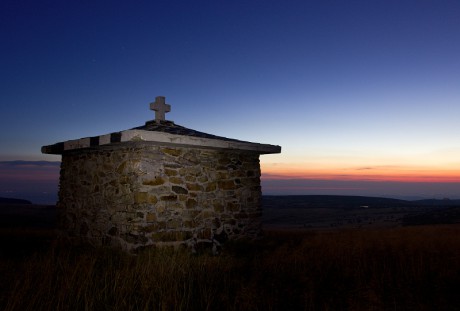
column 414, row 268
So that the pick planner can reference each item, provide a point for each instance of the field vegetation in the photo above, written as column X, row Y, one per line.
column 409, row 268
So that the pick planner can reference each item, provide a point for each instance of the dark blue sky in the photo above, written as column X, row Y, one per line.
column 341, row 85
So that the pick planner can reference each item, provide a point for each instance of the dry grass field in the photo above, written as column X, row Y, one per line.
column 408, row 268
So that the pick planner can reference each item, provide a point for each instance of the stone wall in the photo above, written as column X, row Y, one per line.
column 139, row 195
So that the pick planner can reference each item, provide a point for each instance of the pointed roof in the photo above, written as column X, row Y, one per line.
column 164, row 132
column 160, row 131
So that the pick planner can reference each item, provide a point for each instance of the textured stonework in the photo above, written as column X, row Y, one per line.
column 136, row 194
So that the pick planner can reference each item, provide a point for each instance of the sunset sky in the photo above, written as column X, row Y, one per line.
column 363, row 96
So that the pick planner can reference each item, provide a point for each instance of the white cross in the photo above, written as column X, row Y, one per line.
column 160, row 108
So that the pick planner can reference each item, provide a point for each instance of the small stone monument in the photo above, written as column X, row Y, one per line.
column 159, row 184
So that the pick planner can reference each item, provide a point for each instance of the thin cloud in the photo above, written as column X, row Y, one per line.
column 378, row 167
column 28, row 170
column 20, row 163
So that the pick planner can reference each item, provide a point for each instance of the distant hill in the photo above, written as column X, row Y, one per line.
column 13, row 201
column 435, row 202
column 331, row 201
column 347, row 202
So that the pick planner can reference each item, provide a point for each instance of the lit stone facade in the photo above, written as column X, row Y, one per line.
column 160, row 184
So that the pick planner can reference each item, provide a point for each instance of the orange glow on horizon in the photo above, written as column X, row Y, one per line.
column 378, row 173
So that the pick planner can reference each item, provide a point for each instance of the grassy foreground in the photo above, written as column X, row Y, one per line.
column 413, row 268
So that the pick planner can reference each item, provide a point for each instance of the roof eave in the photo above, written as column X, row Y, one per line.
column 158, row 138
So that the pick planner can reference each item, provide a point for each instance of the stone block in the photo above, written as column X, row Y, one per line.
column 226, row 184
column 174, row 224
column 157, row 181
column 223, row 160
column 174, row 206
column 188, row 224
column 191, row 203
column 176, row 180
column 211, row 186
column 205, row 234
column 168, row 198
column 175, row 152
column 153, row 227
column 190, row 170
column 218, row 207
column 192, row 157
column 206, row 214
column 202, row 179
column 152, row 199
column 172, row 165
column 151, row 217
column 232, row 207
column 222, row 175
column 179, row 190
column 141, row 197
column 122, row 167
column 160, row 208
column 190, row 178
column 194, row 187
column 170, row 172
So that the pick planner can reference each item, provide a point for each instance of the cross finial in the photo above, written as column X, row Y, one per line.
column 160, row 108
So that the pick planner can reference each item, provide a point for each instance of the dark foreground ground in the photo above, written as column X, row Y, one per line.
column 301, row 266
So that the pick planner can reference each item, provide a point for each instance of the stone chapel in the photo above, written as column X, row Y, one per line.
column 159, row 184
